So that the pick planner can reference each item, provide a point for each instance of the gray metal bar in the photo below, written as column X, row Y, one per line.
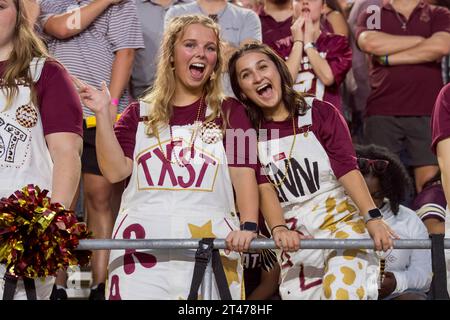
column 115, row 244
column 207, row 282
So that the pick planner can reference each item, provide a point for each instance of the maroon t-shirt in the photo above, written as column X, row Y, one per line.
column 58, row 101
column 405, row 90
column 276, row 35
column 336, row 50
column 331, row 129
column 233, row 110
column 440, row 122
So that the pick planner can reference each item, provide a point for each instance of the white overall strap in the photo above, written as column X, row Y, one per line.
column 306, row 120
column 144, row 109
column 208, row 111
column 36, row 66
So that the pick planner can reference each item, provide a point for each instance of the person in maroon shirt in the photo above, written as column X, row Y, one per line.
column 307, row 163
column 441, row 146
column 430, row 205
column 318, row 61
column 441, row 137
column 333, row 18
column 276, row 21
column 407, row 39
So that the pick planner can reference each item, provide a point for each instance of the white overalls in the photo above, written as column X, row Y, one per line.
column 24, row 159
column 316, row 204
column 169, row 201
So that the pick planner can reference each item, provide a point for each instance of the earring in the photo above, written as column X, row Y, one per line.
column 212, row 77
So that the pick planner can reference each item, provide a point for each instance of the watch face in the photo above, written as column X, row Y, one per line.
column 375, row 213
column 249, row 226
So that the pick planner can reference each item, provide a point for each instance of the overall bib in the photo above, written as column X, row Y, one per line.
column 192, row 198
column 24, row 159
column 315, row 204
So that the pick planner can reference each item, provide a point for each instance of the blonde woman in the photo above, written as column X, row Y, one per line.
column 182, row 172
column 40, row 120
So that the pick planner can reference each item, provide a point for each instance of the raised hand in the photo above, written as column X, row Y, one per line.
column 297, row 29
column 96, row 100
column 309, row 30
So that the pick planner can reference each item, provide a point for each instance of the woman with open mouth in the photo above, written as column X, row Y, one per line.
column 319, row 60
column 306, row 153
column 182, row 172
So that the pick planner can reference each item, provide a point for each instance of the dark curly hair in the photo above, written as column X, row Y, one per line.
column 395, row 182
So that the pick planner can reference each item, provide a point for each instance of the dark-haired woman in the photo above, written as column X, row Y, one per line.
column 309, row 166
column 407, row 272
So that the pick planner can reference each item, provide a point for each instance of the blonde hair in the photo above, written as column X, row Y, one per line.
column 26, row 46
column 162, row 93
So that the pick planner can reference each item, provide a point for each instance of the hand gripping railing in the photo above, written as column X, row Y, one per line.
column 115, row 244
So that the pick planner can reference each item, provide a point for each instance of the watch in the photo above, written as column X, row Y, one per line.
column 309, row 45
column 249, row 226
column 372, row 214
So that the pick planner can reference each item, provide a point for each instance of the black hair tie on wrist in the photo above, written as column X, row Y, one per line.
column 277, row 226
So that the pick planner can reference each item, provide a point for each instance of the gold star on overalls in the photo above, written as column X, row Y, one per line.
column 230, row 268
column 205, row 231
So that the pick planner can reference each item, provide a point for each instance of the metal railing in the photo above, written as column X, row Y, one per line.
column 206, row 289
column 115, row 244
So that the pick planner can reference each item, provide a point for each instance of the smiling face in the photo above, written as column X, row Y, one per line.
column 311, row 8
column 8, row 19
column 195, row 57
column 259, row 80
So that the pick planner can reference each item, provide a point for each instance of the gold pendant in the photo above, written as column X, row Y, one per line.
column 210, row 132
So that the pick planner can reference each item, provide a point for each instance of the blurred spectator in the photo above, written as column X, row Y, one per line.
column 96, row 41
column 430, row 205
column 237, row 26
column 407, row 41
column 407, row 273
column 254, row 5
column 318, row 60
column 441, row 146
column 151, row 15
column 276, row 21
column 446, row 60
column 360, row 69
column 441, row 3
column 333, row 18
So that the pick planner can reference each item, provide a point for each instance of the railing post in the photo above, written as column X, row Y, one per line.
column 207, row 282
